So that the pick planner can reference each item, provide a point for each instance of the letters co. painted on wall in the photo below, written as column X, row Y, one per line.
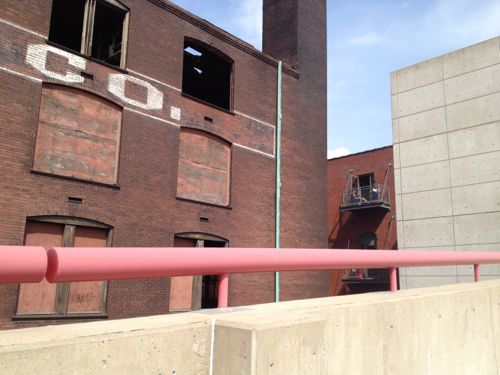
column 36, row 56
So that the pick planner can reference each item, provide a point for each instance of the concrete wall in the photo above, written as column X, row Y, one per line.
column 446, row 128
column 452, row 329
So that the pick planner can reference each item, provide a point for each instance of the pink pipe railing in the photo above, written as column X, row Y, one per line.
column 22, row 264
column 92, row 264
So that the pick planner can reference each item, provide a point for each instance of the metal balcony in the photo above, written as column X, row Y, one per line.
column 375, row 195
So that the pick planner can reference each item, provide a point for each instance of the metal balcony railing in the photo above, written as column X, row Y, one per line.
column 366, row 196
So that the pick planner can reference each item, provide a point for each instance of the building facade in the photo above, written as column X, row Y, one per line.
column 446, row 127
column 136, row 123
column 361, row 214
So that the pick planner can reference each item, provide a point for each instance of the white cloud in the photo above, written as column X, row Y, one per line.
column 248, row 21
column 337, row 152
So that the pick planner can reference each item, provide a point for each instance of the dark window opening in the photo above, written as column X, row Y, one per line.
column 66, row 23
column 206, row 75
column 107, row 36
column 94, row 28
column 368, row 240
column 366, row 180
column 210, row 283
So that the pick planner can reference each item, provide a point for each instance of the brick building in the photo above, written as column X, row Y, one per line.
column 361, row 214
column 136, row 123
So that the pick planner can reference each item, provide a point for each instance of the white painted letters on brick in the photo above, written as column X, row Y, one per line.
column 116, row 86
column 36, row 56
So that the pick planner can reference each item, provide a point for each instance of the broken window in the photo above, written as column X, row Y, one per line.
column 95, row 28
column 207, row 74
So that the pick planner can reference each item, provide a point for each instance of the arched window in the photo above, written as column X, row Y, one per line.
column 206, row 74
column 204, row 167
column 78, row 135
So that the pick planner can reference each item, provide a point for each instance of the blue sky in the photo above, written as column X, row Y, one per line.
column 368, row 39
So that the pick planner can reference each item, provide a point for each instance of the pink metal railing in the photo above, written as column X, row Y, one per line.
column 20, row 264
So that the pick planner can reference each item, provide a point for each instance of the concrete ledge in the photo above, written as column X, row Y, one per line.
column 176, row 344
column 442, row 330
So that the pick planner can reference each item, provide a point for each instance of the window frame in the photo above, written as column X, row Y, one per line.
column 88, row 29
column 61, row 300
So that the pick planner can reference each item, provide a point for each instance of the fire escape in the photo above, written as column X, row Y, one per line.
column 363, row 193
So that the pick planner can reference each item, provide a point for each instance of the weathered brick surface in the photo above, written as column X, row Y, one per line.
column 143, row 208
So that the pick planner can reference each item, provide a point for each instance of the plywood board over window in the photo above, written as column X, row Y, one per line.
column 78, row 135
column 204, row 168
column 45, row 300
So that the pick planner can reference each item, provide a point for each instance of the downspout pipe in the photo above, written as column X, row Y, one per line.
column 278, row 175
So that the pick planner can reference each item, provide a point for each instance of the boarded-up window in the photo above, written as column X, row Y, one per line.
column 62, row 299
column 204, row 168
column 78, row 135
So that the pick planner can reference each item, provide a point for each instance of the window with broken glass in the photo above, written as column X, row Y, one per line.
column 95, row 28
column 207, row 74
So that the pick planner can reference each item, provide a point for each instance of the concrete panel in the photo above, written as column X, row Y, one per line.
column 402, row 282
column 441, row 271
column 473, row 199
column 361, row 323
column 475, row 140
column 424, row 150
column 471, row 58
column 394, row 83
column 429, row 281
column 482, row 110
column 449, row 326
column 422, row 124
column 395, row 131
column 397, row 181
column 428, row 232
column 425, row 177
column 477, row 229
column 475, row 169
column 427, row 204
column 421, row 74
column 472, row 85
column 420, row 99
column 400, row 232
column 394, row 106
column 270, row 343
column 486, row 269
column 399, row 208
column 396, row 159
column 175, row 344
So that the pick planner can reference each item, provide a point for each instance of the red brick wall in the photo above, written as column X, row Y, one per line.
column 345, row 227
column 142, row 207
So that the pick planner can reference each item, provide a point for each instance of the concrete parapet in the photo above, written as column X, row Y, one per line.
column 443, row 330
column 173, row 344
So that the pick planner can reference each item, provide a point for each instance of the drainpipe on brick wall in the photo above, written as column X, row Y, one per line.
column 278, row 175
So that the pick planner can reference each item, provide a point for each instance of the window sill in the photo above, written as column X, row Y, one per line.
column 93, row 59
column 77, row 179
column 16, row 317
column 201, row 101
column 228, row 207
